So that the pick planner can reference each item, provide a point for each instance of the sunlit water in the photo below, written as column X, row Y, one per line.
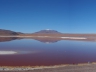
column 29, row 52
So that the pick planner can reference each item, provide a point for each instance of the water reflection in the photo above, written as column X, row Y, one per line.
column 47, row 40
column 4, row 39
column 27, row 51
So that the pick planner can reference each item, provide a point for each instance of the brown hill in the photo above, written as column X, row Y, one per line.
column 8, row 32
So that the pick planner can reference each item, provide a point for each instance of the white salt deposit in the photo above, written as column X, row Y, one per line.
column 73, row 37
column 7, row 52
column 77, row 38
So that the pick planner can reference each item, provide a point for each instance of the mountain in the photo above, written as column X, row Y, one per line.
column 8, row 32
column 48, row 31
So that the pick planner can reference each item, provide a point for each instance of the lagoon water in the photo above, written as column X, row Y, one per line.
column 29, row 52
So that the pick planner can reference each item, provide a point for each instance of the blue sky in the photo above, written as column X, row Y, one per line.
column 67, row 16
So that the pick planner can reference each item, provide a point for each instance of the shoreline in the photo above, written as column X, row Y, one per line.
column 32, row 68
column 62, row 37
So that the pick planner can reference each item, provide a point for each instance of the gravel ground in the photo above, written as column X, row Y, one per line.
column 73, row 68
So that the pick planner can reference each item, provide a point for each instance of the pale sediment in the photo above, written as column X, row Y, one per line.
column 7, row 52
column 31, row 68
column 73, row 37
column 49, row 37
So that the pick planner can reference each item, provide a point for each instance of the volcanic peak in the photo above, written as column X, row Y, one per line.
column 47, row 31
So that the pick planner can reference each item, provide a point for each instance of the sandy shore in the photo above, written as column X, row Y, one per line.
column 59, row 68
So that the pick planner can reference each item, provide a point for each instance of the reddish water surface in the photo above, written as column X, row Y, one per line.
column 35, row 53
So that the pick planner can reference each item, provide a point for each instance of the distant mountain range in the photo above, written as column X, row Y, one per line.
column 9, row 32
column 47, row 32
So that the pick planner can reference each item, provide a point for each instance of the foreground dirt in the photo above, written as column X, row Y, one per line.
column 69, row 68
